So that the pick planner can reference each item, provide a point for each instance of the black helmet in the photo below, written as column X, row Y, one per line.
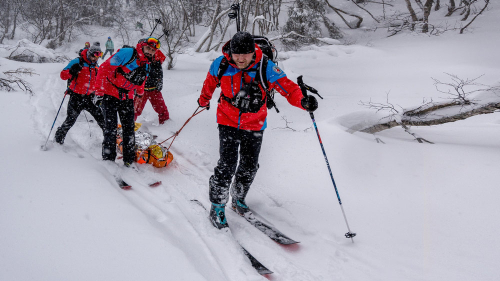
column 242, row 43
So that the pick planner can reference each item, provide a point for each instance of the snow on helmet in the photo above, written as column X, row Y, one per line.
column 242, row 43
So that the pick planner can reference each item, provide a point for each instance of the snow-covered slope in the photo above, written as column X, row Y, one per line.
column 421, row 211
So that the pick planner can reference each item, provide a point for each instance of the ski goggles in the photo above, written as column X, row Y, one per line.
column 97, row 54
column 153, row 42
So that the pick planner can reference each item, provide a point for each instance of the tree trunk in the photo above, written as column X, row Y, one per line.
column 451, row 8
column 427, row 12
column 438, row 5
column 412, row 13
column 419, row 3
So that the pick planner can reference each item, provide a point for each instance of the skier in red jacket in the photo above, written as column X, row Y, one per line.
column 241, row 115
column 152, row 90
column 119, row 77
column 81, row 73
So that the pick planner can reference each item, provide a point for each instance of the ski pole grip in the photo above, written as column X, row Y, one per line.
column 302, row 86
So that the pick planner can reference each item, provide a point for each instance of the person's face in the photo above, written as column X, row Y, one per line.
column 94, row 57
column 148, row 51
column 242, row 61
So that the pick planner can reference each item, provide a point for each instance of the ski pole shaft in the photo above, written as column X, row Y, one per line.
column 304, row 88
column 88, row 123
column 349, row 234
column 157, row 22
column 45, row 145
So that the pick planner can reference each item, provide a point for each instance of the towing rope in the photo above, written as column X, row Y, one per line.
column 196, row 112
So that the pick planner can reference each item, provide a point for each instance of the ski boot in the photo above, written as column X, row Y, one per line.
column 59, row 136
column 241, row 208
column 218, row 216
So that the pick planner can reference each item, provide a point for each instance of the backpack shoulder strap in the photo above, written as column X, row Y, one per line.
column 261, row 78
column 263, row 72
column 224, row 64
column 134, row 56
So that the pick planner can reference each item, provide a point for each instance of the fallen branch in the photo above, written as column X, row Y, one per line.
column 485, row 109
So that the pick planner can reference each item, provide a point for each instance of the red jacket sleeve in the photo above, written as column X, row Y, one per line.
column 65, row 72
column 290, row 90
column 208, row 89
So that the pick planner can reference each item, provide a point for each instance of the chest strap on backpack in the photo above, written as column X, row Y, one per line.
column 260, row 77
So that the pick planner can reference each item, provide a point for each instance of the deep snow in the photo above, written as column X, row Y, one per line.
column 421, row 211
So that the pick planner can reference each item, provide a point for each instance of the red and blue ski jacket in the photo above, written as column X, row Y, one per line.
column 125, row 71
column 84, row 81
column 231, row 82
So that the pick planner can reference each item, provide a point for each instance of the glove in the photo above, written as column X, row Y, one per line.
column 207, row 106
column 309, row 103
column 75, row 68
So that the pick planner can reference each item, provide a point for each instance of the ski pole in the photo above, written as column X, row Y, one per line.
column 44, row 147
column 88, row 123
column 235, row 14
column 157, row 22
column 304, row 89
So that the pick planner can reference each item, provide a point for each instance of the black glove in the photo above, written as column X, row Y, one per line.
column 75, row 68
column 309, row 103
column 206, row 106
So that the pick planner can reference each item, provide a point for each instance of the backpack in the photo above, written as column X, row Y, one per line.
column 136, row 76
column 267, row 50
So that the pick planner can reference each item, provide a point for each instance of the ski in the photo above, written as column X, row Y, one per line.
column 261, row 269
column 266, row 228
column 122, row 184
column 150, row 181
column 154, row 184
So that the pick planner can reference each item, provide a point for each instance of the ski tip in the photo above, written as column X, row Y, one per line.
column 126, row 187
column 264, row 271
column 155, row 184
column 287, row 242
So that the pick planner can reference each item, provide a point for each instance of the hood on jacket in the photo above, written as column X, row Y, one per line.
column 83, row 55
column 142, row 60
column 159, row 56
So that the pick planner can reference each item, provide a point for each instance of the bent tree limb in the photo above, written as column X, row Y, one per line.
column 365, row 10
column 484, row 8
column 409, row 118
column 339, row 11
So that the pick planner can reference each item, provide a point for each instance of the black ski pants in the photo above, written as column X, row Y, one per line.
column 231, row 139
column 76, row 104
column 125, row 109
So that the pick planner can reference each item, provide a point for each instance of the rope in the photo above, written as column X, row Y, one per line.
column 196, row 112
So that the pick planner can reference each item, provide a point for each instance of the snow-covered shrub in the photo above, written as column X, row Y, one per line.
column 305, row 19
column 27, row 51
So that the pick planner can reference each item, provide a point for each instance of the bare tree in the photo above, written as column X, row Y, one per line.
column 482, row 10
column 412, row 13
column 339, row 12
column 427, row 12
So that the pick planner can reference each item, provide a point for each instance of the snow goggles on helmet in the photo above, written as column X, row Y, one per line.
column 153, row 42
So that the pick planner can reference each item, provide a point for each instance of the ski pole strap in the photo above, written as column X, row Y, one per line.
column 196, row 112
column 304, row 88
